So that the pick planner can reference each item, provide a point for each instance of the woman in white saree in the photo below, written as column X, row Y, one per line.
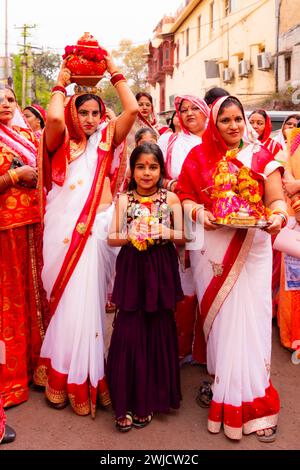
column 233, row 272
column 83, row 168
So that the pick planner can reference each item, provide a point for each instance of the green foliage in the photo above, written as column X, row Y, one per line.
column 17, row 76
column 110, row 97
column 41, row 71
column 133, row 63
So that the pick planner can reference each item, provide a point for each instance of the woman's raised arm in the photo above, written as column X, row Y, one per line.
column 55, row 124
column 125, row 121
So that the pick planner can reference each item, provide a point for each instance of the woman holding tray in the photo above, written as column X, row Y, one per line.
column 233, row 272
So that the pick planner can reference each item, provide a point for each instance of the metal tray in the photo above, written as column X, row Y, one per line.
column 261, row 225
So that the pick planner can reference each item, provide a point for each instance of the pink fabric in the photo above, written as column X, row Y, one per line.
column 195, row 101
column 19, row 144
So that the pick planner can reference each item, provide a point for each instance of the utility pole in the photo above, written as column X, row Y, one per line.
column 25, row 35
column 6, row 39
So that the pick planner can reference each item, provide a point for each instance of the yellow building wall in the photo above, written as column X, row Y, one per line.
column 290, row 15
column 242, row 34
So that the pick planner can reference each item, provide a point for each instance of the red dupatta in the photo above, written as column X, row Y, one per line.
column 273, row 146
column 55, row 169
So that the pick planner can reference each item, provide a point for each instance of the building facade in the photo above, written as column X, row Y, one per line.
column 289, row 45
column 227, row 43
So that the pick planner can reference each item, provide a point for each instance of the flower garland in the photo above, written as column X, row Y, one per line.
column 145, row 214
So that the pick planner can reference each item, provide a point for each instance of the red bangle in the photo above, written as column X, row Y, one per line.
column 59, row 88
column 117, row 78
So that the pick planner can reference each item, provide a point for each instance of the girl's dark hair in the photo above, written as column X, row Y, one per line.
column 229, row 102
column 262, row 112
column 37, row 115
column 142, row 131
column 213, row 94
column 87, row 97
column 139, row 95
column 150, row 149
column 171, row 121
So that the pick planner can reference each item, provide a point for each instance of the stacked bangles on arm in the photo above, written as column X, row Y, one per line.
column 195, row 212
column 117, row 77
column 59, row 89
column 283, row 214
column 13, row 176
column 295, row 202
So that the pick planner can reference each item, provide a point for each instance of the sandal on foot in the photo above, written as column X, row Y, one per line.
column 137, row 423
column 270, row 438
column 57, row 406
column 124, row 428
column 204, row 395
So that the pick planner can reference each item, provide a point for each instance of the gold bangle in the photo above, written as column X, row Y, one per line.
column 13, row 176
column 281, row 211
column 120, row 81
column 295, row 204
column 58, row 91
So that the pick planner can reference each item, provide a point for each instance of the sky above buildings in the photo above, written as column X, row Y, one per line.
column 62, row 22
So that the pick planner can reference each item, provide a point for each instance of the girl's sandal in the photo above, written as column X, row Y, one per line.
column 124, row 428
column 204, row 395
column 267, row 438
column 137, row 423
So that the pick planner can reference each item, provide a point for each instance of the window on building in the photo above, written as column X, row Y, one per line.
column 212, row 16
column 187, row 45
column 199, row 32
column 167, row 54
column 288, row 68
column 161, row 61
column 177, row 53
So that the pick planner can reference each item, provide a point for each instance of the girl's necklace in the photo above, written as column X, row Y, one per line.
column 145, row 195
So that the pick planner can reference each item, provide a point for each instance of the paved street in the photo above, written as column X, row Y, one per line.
column 40, row 427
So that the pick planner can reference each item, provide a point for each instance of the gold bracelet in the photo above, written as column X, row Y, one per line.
column 58, row 91
column 120, row 81
column 13, row 176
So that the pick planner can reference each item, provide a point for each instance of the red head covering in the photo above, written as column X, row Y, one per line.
column 213, row 143
column 268, row 124
column 72, row 121
column 39, row 109
column 196, row 102
column 199, row 166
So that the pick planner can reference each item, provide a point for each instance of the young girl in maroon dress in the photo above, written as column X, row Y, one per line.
column 143, row 365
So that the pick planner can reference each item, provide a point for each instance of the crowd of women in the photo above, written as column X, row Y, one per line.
column 95, row 207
